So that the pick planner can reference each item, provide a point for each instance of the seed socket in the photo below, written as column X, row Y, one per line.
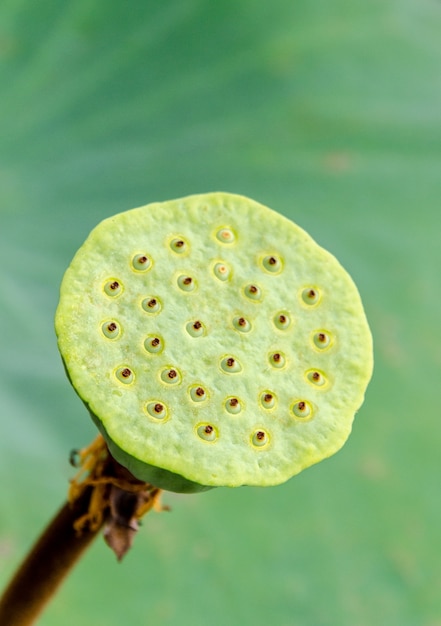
column 186, row 283
column 225, row 235
column 141, row 263
column 113, row 288
column 282, row 320
column 195, row 328
column 260, row 438
column 233, row 406
column 157, row 410
column 322, row 340
column 178, row 245
column 272, row 264
column 302, row 409
column 253, row 292
column 207, row 432
column 221, row 271
column 151, row 304
column 241, row 324
column 198, row 394
column 110, row 330
column 231, row 365
column 277, row 359
column 124, row 375
column 316, row 378
column 153, row 344
column 170, row 375
column 310, row 296
column 268, row 400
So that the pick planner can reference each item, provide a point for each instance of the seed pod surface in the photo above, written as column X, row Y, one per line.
column 181, row 395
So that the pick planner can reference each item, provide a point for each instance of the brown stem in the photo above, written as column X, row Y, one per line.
column 46, row 566
column 102, row 492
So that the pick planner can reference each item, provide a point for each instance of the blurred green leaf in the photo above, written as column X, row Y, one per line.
column 327, row 112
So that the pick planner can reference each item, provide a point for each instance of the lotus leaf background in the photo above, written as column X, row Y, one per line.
column 330, row 113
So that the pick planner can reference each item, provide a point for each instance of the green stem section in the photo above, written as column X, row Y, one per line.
column 46, row 566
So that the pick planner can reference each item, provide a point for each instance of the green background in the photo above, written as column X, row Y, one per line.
column 327, row 111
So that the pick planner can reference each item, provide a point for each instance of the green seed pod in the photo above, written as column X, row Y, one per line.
column 236, row 296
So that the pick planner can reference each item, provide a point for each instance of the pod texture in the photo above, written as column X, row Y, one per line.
column 213, row 342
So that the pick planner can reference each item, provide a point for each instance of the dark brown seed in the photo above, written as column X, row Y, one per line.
column 172, row 374
column 276, row 357
column 187, row 281
column 200, row 392
column 179, row 243
column 114, row 285
column 272, row 260
column 197, row 325
column 151, row 303
column 142, row 260
column 260, row 435
column 315, row 376
column 321, row 337
column 282, row 319
column 230, row 361
column 234, row 402
column 155, row 342
column 311, row 293
column 126, row 372
column 208, row 429
column 158, row 408
column 242, row 321
column 111, row 327
column 268, row 397
column 301, row 406
column 253, row 289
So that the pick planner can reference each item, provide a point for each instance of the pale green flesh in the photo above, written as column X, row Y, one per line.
column 257, row 445
column 150, row 473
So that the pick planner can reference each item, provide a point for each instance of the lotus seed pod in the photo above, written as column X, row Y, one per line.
column 213, row 342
